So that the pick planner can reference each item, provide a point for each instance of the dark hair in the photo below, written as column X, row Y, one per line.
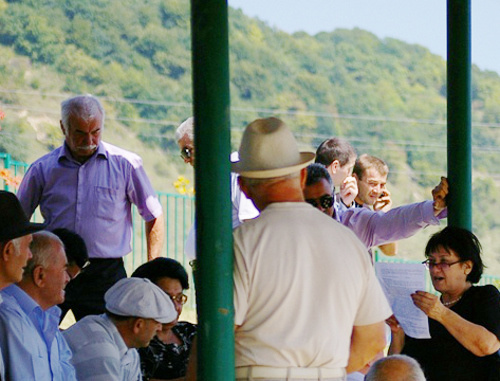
column 334, row 149
column 463, row 243
column 316, row 172
column 74, row 245
column 162, row 268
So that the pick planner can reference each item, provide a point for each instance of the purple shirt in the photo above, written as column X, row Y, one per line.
column 93, row 199
column 377, row 228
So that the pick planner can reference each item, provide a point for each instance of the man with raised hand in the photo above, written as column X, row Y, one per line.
column 307, row 302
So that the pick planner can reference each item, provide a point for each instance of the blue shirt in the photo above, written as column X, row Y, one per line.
column 99, row 352
column 31, row 344
column 93, row 199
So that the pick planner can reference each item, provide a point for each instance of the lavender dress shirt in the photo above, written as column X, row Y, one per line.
column 93, row 199
column 377, row 228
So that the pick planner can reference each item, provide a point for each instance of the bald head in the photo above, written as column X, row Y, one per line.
column 395, row 368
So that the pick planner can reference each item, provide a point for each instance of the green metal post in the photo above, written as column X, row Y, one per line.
column 459, row 114
column 7, row 164
column 209, row 30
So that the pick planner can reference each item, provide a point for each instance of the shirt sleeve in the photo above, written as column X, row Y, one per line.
column 240, row 283
column 376, row 228
column 67, row 370
column 374, row 306
column 487, row 309
column 141, row 193
column 30, row 190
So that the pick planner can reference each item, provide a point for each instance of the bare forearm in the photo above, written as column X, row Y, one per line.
column 154, row 237
column 473, row 337
column 366, row 342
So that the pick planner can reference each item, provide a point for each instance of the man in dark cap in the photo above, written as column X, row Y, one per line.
column 15, row 239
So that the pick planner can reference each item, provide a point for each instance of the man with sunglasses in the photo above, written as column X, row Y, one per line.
column 374, row 228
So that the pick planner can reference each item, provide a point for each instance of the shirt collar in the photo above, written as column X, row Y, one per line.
column 26, row 302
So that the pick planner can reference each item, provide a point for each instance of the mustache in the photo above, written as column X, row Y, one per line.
column 92, row 147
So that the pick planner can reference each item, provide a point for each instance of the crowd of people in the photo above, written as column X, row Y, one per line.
column 307, row 302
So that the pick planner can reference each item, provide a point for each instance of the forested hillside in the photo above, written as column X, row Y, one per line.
column 387, row 97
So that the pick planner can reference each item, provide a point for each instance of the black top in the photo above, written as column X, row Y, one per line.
column 443, row 358
column 168, row 361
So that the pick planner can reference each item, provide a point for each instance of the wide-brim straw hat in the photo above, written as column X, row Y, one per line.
column 13, row 220
column 268, row 149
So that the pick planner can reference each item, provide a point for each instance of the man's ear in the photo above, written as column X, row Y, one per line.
column 62, row 128
column 303, row 178
column 335, row 166
column 39, row 276
column 138, row 325
column 244, row 187
column 355, row 176
column 8, row 251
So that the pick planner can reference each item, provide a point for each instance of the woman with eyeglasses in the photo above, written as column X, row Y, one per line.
column 166, row 357
column 464, row 321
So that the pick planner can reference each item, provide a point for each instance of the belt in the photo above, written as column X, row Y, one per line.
column 271, row 372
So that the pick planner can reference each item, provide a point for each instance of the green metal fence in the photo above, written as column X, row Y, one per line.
column 11, row 168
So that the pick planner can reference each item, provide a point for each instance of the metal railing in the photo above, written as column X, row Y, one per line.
column 15, row 169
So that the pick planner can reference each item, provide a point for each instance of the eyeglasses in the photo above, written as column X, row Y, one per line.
column 186, row 153
column 326, row 201
column 181, row 298
column 443, row 266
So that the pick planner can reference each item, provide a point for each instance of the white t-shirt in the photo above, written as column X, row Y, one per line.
column 301, row 281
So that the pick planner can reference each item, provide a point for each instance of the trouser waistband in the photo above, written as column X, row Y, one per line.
column 256, row 372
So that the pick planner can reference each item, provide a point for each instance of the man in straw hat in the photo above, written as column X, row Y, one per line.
column 104, row 345
column 15, row 239
column 307, row 303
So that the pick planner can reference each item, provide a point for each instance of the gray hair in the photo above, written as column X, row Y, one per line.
column 185, row 128
column 395, row 368
column 85, row 106
column 42, row 250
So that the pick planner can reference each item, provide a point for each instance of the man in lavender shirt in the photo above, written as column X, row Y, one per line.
column 374, row 228
column 88, row 186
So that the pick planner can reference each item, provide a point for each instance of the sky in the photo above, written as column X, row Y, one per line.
column 421, row 22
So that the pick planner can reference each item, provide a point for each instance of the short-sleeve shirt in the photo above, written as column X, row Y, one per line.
column 99, row 352
column 301, row 282
column 93, row 199
column 442, row 357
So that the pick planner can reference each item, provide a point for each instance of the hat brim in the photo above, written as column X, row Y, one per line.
column 29, row 228
column 306, row 158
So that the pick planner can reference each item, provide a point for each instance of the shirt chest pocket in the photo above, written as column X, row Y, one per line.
column 109, row 203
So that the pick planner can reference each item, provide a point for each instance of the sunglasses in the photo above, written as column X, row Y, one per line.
column 186, row 153
column 325, row 201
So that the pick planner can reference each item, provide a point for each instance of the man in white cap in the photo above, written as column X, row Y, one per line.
column 104, row 345
column 15, row 239
column 307, row 302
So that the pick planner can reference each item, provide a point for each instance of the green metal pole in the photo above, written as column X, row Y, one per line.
column 459, row 114
column 209, row 30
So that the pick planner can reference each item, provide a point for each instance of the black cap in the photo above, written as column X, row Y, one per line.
column 13, row 220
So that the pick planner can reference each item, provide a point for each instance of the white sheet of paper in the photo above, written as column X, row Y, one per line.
column 399, row 281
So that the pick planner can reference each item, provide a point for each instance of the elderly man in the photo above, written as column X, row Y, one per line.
column 307, row 302
column 395, row 368
column 375, row 228
column 88, row 186
column 32, row 346
column 104, row 346
column 15, row 239
column 242, row 208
